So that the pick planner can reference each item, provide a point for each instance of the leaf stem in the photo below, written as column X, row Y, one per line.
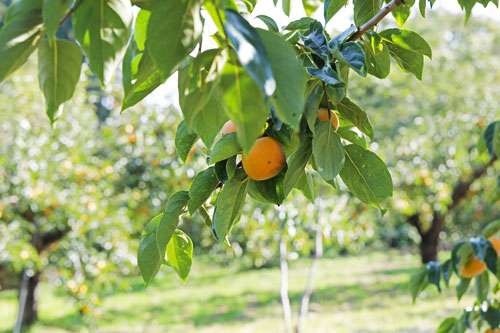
column 327, row 101
column 376, row 19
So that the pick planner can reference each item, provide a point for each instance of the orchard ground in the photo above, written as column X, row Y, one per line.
column 366, row 293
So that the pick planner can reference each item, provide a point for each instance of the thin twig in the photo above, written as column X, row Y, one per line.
column 376, row 19
column 327, row 101
column 70, row 12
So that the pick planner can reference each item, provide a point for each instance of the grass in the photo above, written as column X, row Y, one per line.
column 353, row 294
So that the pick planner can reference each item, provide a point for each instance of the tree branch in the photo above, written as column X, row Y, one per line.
column 459, row 193
column 285, row 300
column 414, row 220
column 461, row 188
column 304, row 305
column 376, row 19
column 52, row 236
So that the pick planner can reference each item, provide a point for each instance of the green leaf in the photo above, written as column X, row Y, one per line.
column 300, row 24
column 229, row 204
column 336, row 42
column 348, row 134
column 402, row 12
column 418, row 282
column 482, row 286
column 327, row 150
column 170, row 220
column 366, row 175
column 407, row 48
column 286, row 4
column 288, row 99
column 244, row 104
column 297, row 163
column 310, row 6
column 148, row 257
column 316, row 40
column 364, row 10
column 59, row 67
column 139, row 73
column 407, row 61
column 174, row 29
column 462, row 287
column 446, row 325
column 485, row 251
column 270, row 190
column 20, row 35
column 231, row 167
column 184, row 140
column 269, row 22
column 332, row 7
column 226, row 147
column 221, row 171
column 434, row 274
column 355, row 115
column 491, row 136
column 250, row 51
column 355, row 57
column 53, row 11
column 327, row 75
column 421, row 7
column 202, row 186
column 180, row 254
column 491, row 316
column 305, row 184
column 408, row 40
column 491, row 229
column 145, row 75
column 447, row 271
column 204, row 215
column 198, row 80
column 200, row 96
column 102, row 28
column 312, row 105
column 378, row 65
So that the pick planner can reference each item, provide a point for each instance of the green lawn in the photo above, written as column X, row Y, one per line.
column 355, row 294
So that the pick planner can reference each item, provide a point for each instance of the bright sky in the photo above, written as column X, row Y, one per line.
column 167, row 94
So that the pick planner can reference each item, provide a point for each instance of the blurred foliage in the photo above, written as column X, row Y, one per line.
column 98, row 179
column 428, row 131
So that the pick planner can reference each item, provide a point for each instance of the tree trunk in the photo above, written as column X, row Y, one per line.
column 430, row 239
column 429, row 247
column 285, row 301
column 30, row 311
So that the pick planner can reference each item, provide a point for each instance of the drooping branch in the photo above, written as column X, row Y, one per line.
column 376, row 19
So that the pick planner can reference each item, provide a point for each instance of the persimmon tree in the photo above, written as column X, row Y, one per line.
column 268, row 82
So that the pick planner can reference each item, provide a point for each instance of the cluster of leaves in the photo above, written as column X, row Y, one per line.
column 486, row 308
column 278, row 77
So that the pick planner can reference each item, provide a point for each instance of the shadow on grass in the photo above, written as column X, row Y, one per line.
column 241, row 307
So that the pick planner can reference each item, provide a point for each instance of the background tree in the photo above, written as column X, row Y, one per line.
column 430, row 142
